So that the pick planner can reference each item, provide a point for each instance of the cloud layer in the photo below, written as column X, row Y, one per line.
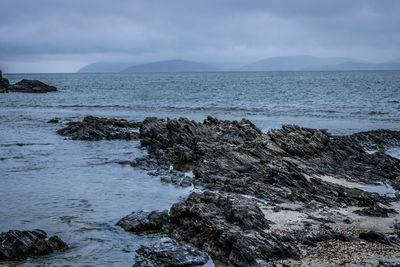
column 61, row 36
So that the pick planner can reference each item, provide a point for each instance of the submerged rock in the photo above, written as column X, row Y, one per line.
column 18, row 245
column 170, row 253
column 142, row 221
column 94, row 128
column 31, row 86
column 55, row 120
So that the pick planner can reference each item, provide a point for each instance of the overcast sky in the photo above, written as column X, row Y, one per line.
column 64, row 35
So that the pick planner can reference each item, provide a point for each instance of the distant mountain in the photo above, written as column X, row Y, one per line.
column 300, row 63
column 105, row 67
column 359, row 65
column 172, row 66
column 292, row 63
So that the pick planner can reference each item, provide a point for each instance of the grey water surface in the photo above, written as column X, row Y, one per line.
column 74, row 190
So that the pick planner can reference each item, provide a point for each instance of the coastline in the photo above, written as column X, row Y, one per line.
column 268, row 204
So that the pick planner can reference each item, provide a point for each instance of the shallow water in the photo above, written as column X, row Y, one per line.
column 72, row 188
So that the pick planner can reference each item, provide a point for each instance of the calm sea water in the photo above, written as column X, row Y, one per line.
column 71, row 189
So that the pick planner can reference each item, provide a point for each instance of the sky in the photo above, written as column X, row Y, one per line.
column 64, row 35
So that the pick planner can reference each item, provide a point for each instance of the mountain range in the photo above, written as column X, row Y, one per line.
column 283, row 63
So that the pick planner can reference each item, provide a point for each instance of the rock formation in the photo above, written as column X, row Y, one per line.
column 31, row 86
column 18, row 245
column 264, row 198
column 93, row 128
column 25, row 86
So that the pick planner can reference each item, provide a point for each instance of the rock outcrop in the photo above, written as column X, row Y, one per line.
column 94, row 128
column 18, row 245
column 31, row 86
column 249, row 179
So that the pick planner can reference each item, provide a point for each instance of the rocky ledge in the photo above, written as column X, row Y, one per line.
column 289, row 196
column 25, row 86
column 94, row 129
column 18, row 245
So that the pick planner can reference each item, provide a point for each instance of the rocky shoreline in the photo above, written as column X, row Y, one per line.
column 290, row 196
column 25, row 86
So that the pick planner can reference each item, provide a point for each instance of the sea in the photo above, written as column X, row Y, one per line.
column 73, row 189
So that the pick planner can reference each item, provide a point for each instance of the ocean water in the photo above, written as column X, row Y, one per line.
column 72, row 188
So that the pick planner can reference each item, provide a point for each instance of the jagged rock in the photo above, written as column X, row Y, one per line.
column 18, row 245
column 376, row 211
column 142, row 221
column 377, row 140
column 94, row 128
column 246, row 169
column 31, row 86
column 229, row 227
column 170, row 253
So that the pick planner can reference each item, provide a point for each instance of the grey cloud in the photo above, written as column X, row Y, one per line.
column 229, row 32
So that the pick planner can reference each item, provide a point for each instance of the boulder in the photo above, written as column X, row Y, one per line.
column 18, row 245
column 142, row 221
column 31, row 86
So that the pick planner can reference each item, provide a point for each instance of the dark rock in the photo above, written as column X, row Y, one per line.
column 376, row 211
column 170, row 253
column 375, row 237
column 142, row 221
column 18, row 245
column 377, row 140
column 4, row 84
column 55, row 120
column 94, row 128
column 229, row 227
column 246, row 169
column 31, row 86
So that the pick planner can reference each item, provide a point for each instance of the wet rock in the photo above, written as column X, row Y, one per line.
column 170, row 253
column 376, row 211
column 94, row 128
column 142, row 221
column 246, row 169
column 229, row 227
column 55, row 120
column 18, row 245
column 184, row 141
column 31, row 86
column 376, row 237
column 377, row 140
column 4, row 84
